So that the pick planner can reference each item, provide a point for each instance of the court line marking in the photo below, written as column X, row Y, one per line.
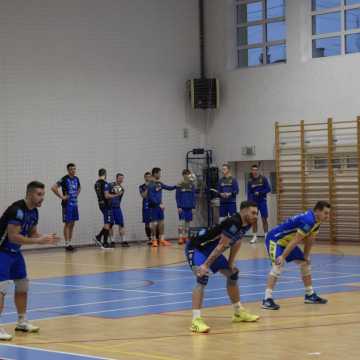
column 55, row 352
column 171, row 303
column 98, row 288
column 168, row 294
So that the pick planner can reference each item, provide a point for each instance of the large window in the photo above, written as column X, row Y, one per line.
column 261, row 32
column 335, row 27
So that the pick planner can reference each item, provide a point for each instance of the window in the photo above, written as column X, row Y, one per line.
column 261, row 32
column 335, row 27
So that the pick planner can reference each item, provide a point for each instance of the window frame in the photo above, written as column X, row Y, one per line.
column 343, row 33
column 264, row 45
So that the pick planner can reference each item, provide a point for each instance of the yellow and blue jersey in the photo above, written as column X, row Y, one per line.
column 305, row 224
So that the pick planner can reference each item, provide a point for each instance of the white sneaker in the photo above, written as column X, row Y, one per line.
column 253, row 240
column 25, row 326
column 4, row 336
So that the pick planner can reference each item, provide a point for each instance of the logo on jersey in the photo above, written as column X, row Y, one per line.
column 19, row 215
column 233, row 229
column 306, row 228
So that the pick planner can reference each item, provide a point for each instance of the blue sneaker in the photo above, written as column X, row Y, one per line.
column 314, row 299
column 269, row 304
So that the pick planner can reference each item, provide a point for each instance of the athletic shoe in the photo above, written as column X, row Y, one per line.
column 269, row 304
column 164, row 243
column 97, row 240
column 198, row 325
column 124, row 244
column 244, row 316
column 314, row 299
column 106, row 246
column 112, row 244
column 154, row 243
column 253, row 240
column 181, row 241
column 25, row 326
column 4, row 336
column 70, row 248
column 149, row 242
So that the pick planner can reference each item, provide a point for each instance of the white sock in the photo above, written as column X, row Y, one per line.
column 21, row 318
column 268, row 294
column 309, row 290
column 196, row 313
column 67, row 242
column 237, row 307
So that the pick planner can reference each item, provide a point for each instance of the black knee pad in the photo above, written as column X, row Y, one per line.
column 234, row 276
column 202, row 280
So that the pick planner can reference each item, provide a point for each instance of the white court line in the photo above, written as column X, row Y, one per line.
column 165, row 304
column 55, row 352
column 173, row 294
column 98, row 288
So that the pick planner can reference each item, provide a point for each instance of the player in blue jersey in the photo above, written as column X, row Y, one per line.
column 186, row 202
column 228, row 188
column 146, row 211
column 257, row 189
column 117, row 187
column 282, row 244
column 104, row 197
column 70, row 190
column 155, row 190
column 18, row 226
column 204, row 252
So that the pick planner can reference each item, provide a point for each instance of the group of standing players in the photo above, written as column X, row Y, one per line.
column 204, row 251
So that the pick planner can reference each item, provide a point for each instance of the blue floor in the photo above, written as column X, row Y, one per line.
column 165, row 289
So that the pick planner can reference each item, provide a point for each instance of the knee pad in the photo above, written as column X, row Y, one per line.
column 233, row 278
column 21, row 285
column 4, row 285
column 202, row 280
column 305, row 269
column 276, row 271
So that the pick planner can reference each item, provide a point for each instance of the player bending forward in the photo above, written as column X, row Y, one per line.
column 204, row 252
column 282, row 246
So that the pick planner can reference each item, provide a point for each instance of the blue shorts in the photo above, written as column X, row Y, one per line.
column 263, row 208
column 186, row 215
column 274, row 250
column 146, row 216
column 108, row 215
column 12, row 266
column 196, row 258
column 227, row 209
column 70, row 213
column 118, row 216
column 157, row 214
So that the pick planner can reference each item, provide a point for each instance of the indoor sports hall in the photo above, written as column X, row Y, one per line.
column 180, row 179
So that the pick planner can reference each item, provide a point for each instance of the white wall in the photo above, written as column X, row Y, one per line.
column 253, row 99
column 100, row 83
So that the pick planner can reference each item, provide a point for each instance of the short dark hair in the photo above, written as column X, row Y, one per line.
column 321, row 205
column 69, row 165
column 155, row 170
column 226, row 165
column 147, row 173
column 247, row 204
column 254, row 166
column 102, row 172
column 33, row 185
column 186, row 172
column 119, row 174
